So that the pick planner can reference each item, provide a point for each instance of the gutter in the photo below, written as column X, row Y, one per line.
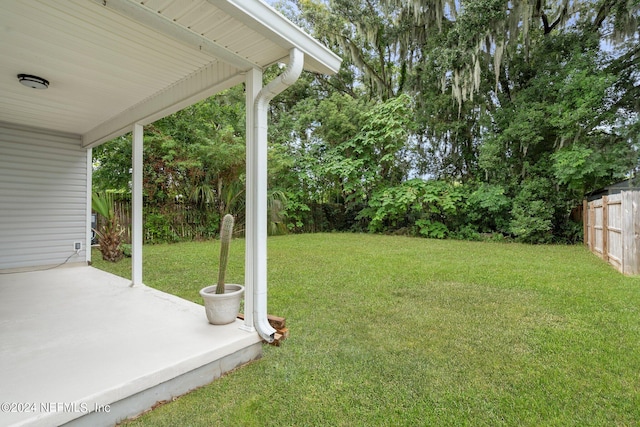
column 288, row 77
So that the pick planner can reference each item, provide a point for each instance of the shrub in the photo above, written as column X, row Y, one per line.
column 533, row 211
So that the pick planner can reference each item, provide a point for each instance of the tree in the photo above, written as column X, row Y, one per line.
column 520, row 108
column 203, row 153
column 110, row 233
column 194, row 162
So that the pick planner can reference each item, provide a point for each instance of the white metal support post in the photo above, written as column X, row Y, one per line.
column 136, row 209
column 253, row 85
column 88, row 240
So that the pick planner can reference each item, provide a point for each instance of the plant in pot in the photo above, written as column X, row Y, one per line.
column 222, row 301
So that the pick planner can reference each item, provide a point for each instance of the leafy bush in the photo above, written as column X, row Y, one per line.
column 432, row 229
column 467, row 232
column 532, row 223
column 126, row 249
column 533, row 212
column 158, row 229
column 488, row 209
column 432, row 206
column 571, row 232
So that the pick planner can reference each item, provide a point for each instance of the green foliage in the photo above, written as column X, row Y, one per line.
column 306, row 160
column 533, row 212
column 110, row 233
column 488, row 208
column 194, row 164
column 546, row 145
column 429, row 205
column 432, row 229
column 126, row 249
column 176, row 222
column 571, row 166
column 296, row 211
column 513, row 111
column 373, row 158
column 112, row 165
column 158, row 228
column 532, row 222
column 103, row 204
column 582, row 169
column 198, row 154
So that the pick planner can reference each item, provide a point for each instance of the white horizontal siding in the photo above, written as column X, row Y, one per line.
column 43, row 197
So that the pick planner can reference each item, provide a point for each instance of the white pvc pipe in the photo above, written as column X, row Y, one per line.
column 261, row 106
column 253, row 85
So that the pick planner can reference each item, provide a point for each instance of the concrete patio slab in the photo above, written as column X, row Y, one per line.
column 80, row 346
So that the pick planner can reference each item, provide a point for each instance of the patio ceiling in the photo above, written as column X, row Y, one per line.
column 113, row 63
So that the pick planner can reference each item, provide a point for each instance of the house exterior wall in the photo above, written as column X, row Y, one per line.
column 43, row 198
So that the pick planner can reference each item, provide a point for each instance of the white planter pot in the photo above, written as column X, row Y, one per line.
column 222, row 308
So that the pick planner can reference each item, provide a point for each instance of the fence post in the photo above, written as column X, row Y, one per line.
column 592, row 225
column 585, row 220
column 605, row 228
column 631, row 232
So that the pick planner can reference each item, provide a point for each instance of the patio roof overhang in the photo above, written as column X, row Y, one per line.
column 114, row 63
column 117, row 65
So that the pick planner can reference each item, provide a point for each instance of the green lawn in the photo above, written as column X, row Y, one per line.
column 396, row 331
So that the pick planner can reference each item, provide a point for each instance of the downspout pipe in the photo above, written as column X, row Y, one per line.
column 261, row 105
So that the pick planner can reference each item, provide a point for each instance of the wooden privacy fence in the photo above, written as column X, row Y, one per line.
column 612, row 230
column 176, row 222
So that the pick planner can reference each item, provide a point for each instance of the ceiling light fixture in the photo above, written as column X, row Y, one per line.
column 33, row 82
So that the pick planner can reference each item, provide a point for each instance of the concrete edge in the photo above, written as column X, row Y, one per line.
column 145, row 400
column 142, row 394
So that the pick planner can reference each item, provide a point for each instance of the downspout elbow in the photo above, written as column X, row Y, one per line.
column 288, row 77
